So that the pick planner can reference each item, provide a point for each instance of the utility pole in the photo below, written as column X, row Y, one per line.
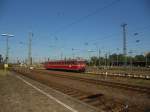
column 124, row 44
column 99, row 62
column 30, row 49
column 109, row 59
column 146, row 64
column 131, row 59
column 7, row 46
column 117, row 55
column 105, row 60
column 7, row 50
column 61, row 56
column 117, row 59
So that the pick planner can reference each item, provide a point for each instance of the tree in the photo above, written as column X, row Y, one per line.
column 138, row 58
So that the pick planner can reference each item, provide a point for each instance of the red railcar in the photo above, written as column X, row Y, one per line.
column 71, row 65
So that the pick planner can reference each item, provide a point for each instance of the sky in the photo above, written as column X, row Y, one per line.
column 70, row 28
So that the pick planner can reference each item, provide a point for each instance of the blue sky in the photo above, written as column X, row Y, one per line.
column 60, row 25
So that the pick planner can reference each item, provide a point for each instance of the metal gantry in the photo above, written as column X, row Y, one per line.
column 124, row 43
column 30, row 49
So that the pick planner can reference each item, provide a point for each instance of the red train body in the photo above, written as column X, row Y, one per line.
column 70, row 65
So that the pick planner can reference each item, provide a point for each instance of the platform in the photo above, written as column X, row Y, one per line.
column 21, row 94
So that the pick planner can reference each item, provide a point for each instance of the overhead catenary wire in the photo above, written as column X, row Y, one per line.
column 130, row 32
column 86, row 16
column 92, row 14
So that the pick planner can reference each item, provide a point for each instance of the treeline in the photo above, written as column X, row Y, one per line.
column 119, row 60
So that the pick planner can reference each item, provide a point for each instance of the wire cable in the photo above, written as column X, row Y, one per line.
column 87, row 16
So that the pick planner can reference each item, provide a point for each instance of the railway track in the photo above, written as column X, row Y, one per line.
column 103, row 82
column 99, row 101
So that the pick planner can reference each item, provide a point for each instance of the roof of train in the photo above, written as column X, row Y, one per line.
column 66, row 60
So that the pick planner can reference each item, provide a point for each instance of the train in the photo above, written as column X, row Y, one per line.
column 67, row 65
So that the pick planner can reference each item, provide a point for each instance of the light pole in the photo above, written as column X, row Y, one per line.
column 99, row 62
column 89, row 51
column 30, row 49
column 131, row 59
column 7, row 46
column 25, row 59
column 105, row 60
column 73, row 53
column 146, row 64
column 117, row 55
column 124, row 43
column 98, row 53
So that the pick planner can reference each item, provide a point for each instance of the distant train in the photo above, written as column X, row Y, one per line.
column 69, row 65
